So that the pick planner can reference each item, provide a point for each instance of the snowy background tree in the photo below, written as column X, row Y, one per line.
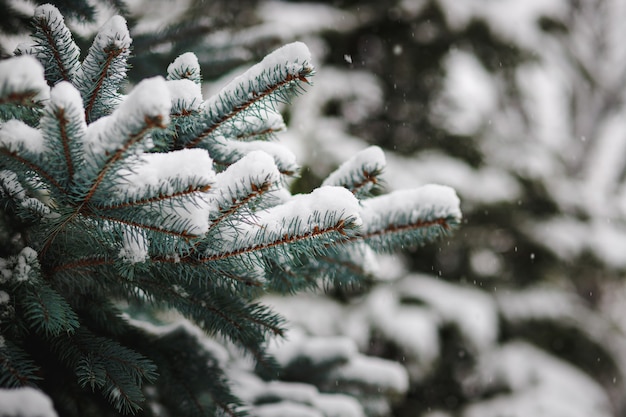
column 517, row 106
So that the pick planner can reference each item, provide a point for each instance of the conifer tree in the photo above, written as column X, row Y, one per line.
column 116, row 208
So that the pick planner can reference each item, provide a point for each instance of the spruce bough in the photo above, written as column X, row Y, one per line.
column 116, row 208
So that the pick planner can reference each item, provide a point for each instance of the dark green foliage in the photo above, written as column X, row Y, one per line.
column 18, row 369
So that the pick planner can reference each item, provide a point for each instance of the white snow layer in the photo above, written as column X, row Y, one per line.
column 149, row 99
column 187, row 64
column 65, row 96
column 113, row 32
column 284, row 158
column 287, row 60
column 23, row 75
column 239, row 179
column 319, row 351
column 186, row 96
column 166, row 172
column 370, row 159
column 325, row 207
column 286, row 409
column 425, row 202
column 135, row 246
column 336, row 405
column 542, row 386
column 169, row 173
column 256, row 165
column 25, row 401
column 413, row 328
column 390, row 378
column 473, row 311
column 48, row 10
column 11, row 185
column 469, row 94
column 16, row 136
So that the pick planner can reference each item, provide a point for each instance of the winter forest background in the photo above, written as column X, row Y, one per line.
column 517, row 105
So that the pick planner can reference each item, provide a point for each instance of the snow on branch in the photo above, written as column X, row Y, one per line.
column 242, row 185
column 409, row 217
column 168, row 191
column 272, row 80
column 25, row 401
column 17, row 136
column 302, row 225
column 186, row 96
column 110, row 138
column 157, row 177
column 135, row 246
column 64, row 127
column 10, row 186
column 226, row 152
column 104, row 68
column 22, row 81
column 185, row 67
column 22, row 148
column 55, row 48
column 255, row 128
column 360, row 173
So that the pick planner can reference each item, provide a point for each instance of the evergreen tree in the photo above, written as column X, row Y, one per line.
column 117, row 208
column 514, row 105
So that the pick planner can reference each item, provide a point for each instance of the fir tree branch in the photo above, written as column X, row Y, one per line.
column 45, row 310
column 254, row 99
column 17, row 369
column 35, row 168
column 52, row 47
column 65, row 142
column 230, row 309
column 368, row 179
column 355, row 268
column 257, row 190
column 63, row 129
column 104, row 68
column 183, row 389
column 150, row 122
column 360, row 173
column 185, row 66
column 408, row 217
column 192, row 189
column 184, row 234
column 286, row 239
column 21, row 98
column 82, row 263
column 269, row 81
column 112, row 53
column 196, row 266
column 258, row 135
column 444, row 222
column 55, row 45
column 287, row 280
column 121, row 371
